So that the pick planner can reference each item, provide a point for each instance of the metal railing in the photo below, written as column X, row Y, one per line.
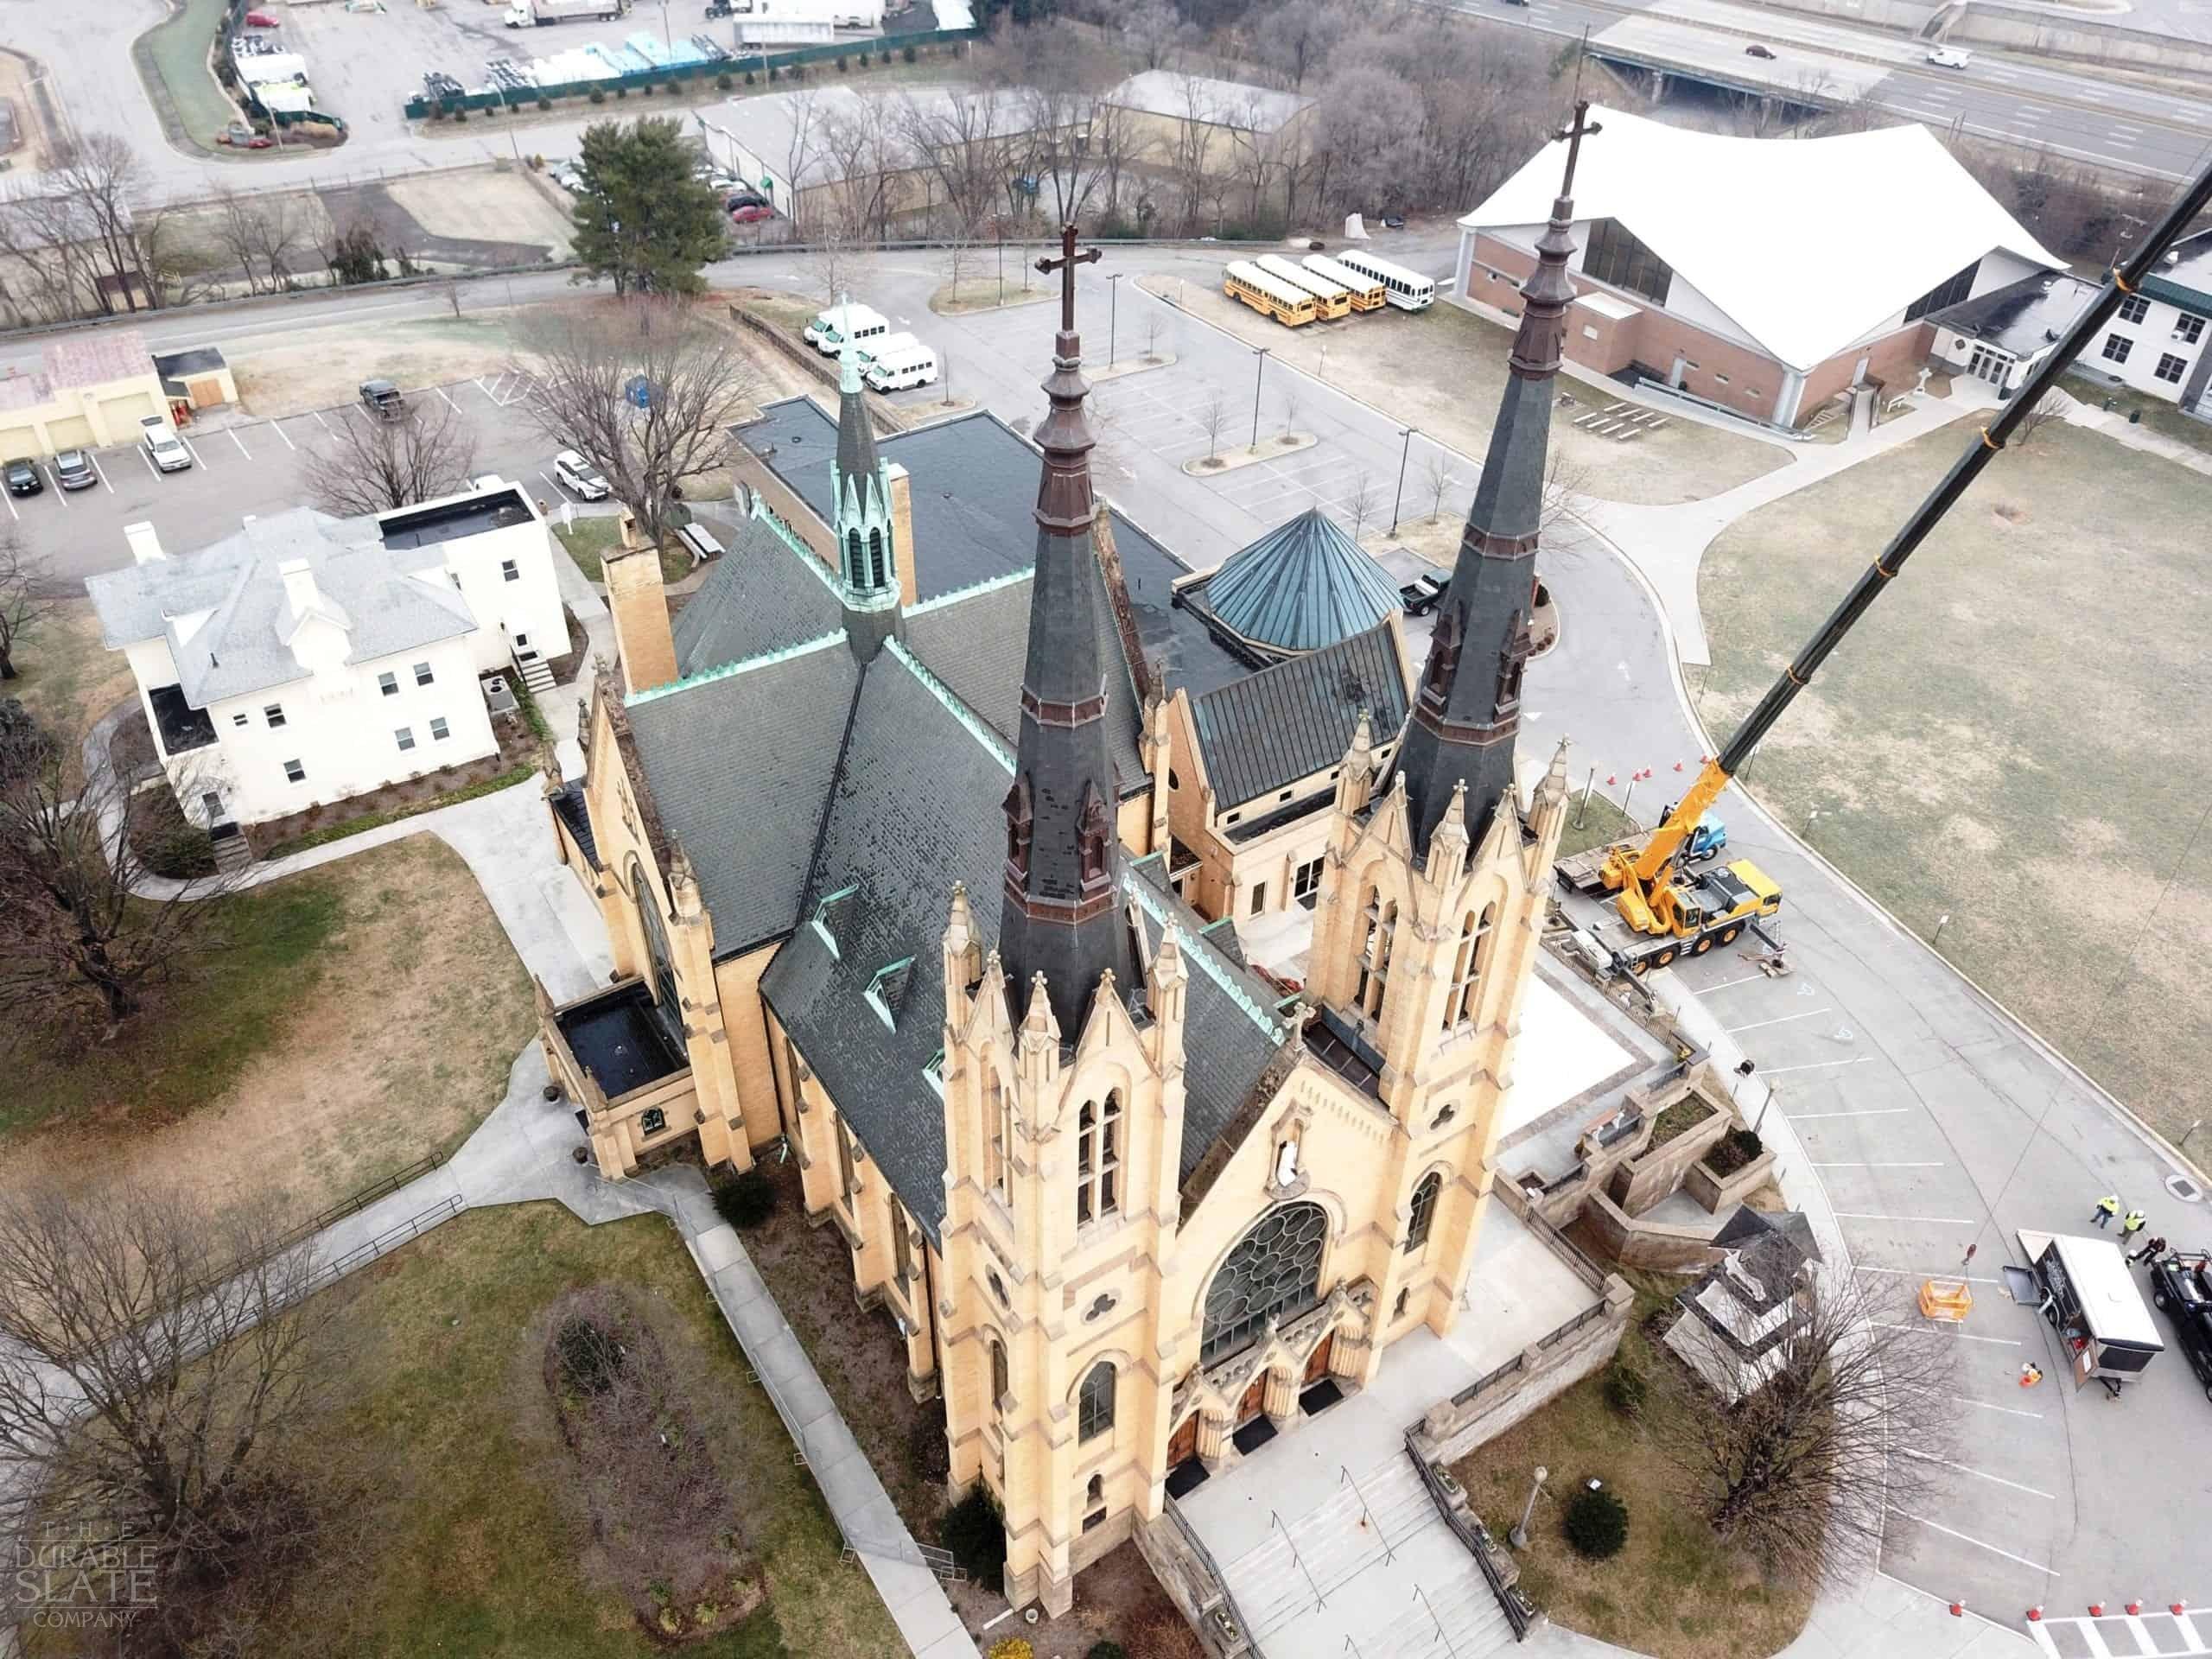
column 1188, row 1535
column 1520, row 1361
column 1520, row 1613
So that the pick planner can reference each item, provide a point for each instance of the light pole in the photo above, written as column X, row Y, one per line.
column 1942, row 922
column 1260, row 352
column 667, row 39
column 1404, row 454
column 1518, row 1537
column 1112, row 312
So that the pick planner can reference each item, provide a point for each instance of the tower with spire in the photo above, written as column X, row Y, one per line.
column 861, row 516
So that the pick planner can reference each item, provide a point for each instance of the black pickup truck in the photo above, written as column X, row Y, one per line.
column 2181, row 1286
column 1419, row 596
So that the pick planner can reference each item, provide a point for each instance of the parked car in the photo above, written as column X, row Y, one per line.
column 2181, row 1288
column 1754, row 50
column 751, row 213
column 1419, row 596
column 24, row 477
column 1394, row 221
column 382, row 398
column 738, row 199
column 75, row 471
column 243, row 137
column 163, row 448
column 260, row 19
column 569, row 178
column 1949, row 57
column 579, row 477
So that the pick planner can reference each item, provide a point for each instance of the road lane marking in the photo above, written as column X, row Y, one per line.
column 1937, row 1330
column 1871, row 1111
column 279, row 431
column 1758, row 1025
column 2010, row 1411
column 1932, row 1221
column 1814, row 1065
column 240, row 441
column 1979, row 1474
column 1966, row 1538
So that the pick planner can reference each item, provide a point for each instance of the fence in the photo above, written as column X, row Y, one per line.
column 1519, row 1611
column 767, row 65
column 1198, row 1547
column 1519, row 1361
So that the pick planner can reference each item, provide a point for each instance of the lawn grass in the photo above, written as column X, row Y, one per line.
column 987, row 293
column 1674, row 1592
column 473, row 1546
column 2013, row 739
column 66, row 679
column 361, row 1015
column 172, row 59
column 1597, row 823
column 2090, row 387
column 589, row 539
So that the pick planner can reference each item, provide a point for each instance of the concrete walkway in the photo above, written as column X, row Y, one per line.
column 2114, row 424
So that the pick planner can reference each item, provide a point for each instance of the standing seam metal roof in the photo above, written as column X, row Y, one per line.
column 1303, row 585
column 1271, row 729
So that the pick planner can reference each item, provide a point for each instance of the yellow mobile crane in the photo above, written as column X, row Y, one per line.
column 1662, row 912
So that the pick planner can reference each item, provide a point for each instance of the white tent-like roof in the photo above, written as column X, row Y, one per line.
column 1806, row 243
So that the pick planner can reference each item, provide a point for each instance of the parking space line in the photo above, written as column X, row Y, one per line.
column 151, row 471
column 1814, row 1065
column 189, row 450
column 2010, row 1411
column 1932, row 1221
column 240, row 441
column 1871, row 1111
column 450, row 405
column 99, row 472
column 319, row 421
column 1760, row 1025
column 1746, row 980
column 9, row 498
column 1964, row 1539
column 279, row 431
column 1878, row 1166
column 60, row 493
column 555, row 487
column 1937, row 1330
column 1916, row 1272
column 1994, row 1480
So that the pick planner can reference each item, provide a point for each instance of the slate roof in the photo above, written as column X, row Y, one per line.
column 913, row 807
column 739, row 764
column 1270, row 730
column 1303, row 585
column 242, row 645
column 975, row 485
column 1747, row 1225
column 762, row 595
column 977, row 644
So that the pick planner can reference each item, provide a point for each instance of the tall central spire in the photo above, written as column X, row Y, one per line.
column 1469, row 707
column 1060, row 917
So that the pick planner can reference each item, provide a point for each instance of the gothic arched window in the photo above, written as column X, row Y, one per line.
column 1467, row 966
column 1381, row 916
column 1094, row 1407
column 1274, row 1272
column 855, row 571
column 1098, row 1159
column 875, row 558
column 999, row 1385
column 998, row 1129
column 1424, row 1216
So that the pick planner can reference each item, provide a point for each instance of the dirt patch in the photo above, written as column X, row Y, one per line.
column 986, row 294
column 1116, row 1600
column 1442, row 370
column 326, row 371
column 393, row 1040
column 2054, row 739
column 474, row 216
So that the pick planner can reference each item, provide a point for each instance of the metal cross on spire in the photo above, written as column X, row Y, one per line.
column 1581, row 128
column 1066, row 265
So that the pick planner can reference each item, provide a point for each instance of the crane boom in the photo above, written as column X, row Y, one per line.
column 1644, row 881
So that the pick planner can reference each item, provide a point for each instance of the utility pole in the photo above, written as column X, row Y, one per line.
column 1398, row 499
column 1260, row 352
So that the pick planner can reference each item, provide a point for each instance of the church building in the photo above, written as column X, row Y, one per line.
column 881, row 834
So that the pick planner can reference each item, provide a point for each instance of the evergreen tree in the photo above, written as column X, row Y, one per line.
column 641, row 217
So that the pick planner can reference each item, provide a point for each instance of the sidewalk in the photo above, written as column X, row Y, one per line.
column 2113, row 424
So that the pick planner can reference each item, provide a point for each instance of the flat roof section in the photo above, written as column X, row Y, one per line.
column 2021, row 319
column 452, row 521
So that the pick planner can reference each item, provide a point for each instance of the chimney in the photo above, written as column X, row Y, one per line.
column 299, row 585
column 644, row 644
column 902, row 531
column 145, row 545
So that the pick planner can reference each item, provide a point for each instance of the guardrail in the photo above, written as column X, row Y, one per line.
column 1520, row 1613
column 1188, row 1535
column 1520, row 1361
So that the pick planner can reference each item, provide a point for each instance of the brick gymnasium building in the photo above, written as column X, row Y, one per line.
column 1762, row 275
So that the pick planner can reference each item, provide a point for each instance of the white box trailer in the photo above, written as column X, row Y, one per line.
column 2083, row 1287
column 540, row 14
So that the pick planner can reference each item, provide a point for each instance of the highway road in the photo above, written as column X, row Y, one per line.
column 2011, row 99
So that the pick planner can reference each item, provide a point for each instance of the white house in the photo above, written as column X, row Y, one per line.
column 2157, row 342
column 306, row 658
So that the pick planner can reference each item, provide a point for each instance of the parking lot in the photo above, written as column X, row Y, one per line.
column 251, row 468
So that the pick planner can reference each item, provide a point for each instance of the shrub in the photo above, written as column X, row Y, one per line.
column 975, row 1534
column 841, row 63
column 722, row 83
column 460, row 115
column 928, row 1453
column 907, row 52
column 590, row 1359
column 773, row 72
column 1596, row 1523
column 1625, row 1389
column 863, row 60
column 621, row 91
column 748, row 77
column 1106, row 1651
column 599, row 94
column 745, row 1201
column 1013, row 1647
column 1733, row 1151
column 544, row 103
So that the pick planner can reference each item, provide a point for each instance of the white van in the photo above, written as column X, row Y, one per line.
column 911, row 365
column 827, row 332
column 868, row 350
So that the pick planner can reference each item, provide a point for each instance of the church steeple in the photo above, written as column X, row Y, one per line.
column 1060, row 917
column 867, row 553
column 1469, row 707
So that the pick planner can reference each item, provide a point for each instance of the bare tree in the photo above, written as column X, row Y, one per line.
column 102, row 176
column 863, row 146
column 74, row 933
column 646, row 390
column 1438, row 477
column 1153, row 322
column 1191, row 160
column 163, row 1375
column 1359, row 505
column 2052, row 406
column 26, row 599
column 1154, row 32
column 1566, row 487
column 1801, row 1469
column 373, row 465
column 1212, row 415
